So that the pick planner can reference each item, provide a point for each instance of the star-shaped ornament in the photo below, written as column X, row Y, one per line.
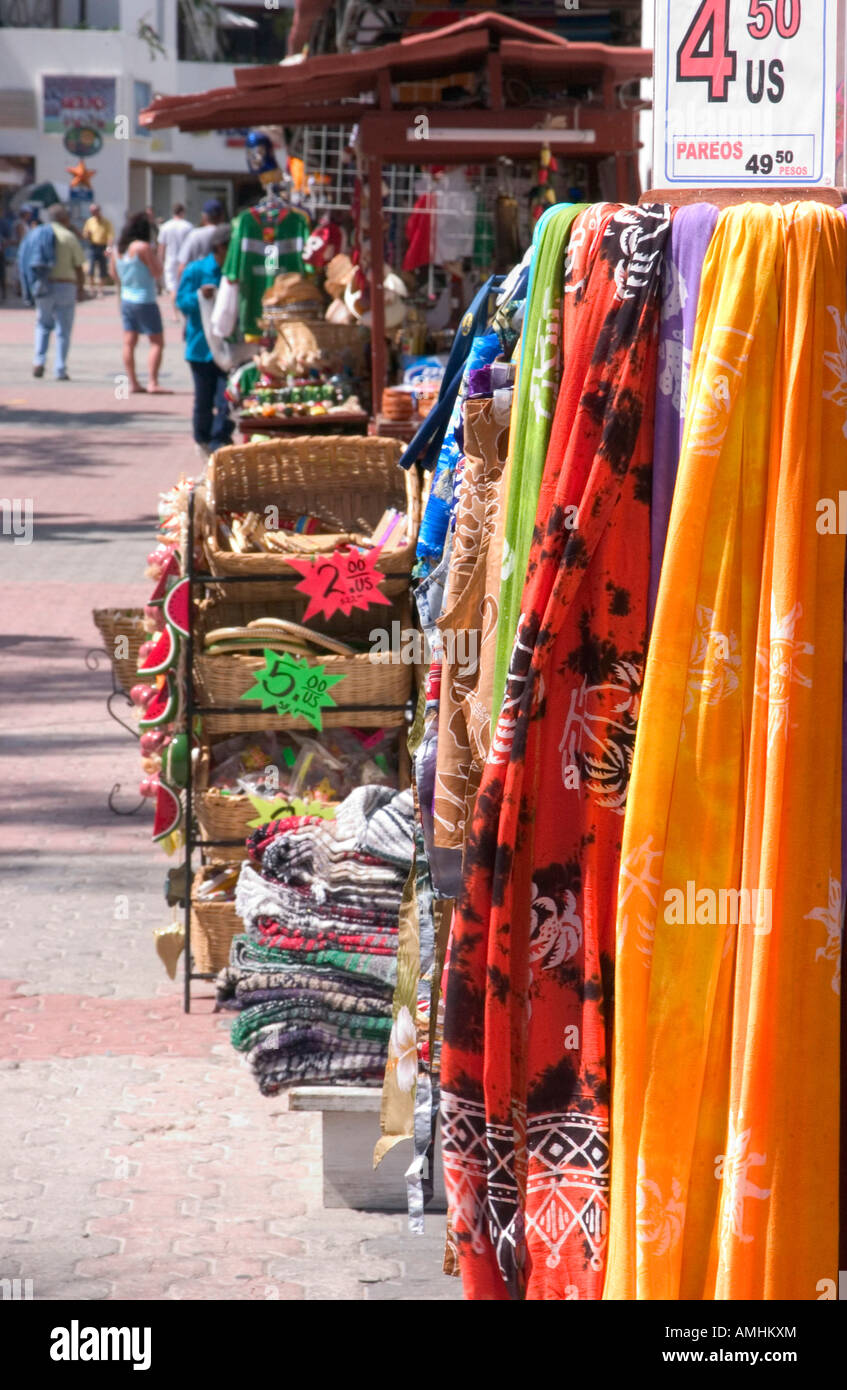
column 80, row 175
column 282, row 806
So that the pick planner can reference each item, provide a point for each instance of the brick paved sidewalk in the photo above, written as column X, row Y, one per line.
column 138, row 1159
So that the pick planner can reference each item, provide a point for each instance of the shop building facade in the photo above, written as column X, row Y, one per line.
column 75, row 74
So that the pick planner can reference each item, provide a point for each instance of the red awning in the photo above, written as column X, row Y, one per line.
column 339, row 87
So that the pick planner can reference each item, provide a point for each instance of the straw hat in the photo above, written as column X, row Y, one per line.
column 292, row 288
column 394, row 292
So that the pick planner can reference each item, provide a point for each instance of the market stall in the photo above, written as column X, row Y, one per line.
column 590, row 935
column 521, row 94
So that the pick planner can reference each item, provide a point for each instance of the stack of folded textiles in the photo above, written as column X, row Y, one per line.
column 313, row 975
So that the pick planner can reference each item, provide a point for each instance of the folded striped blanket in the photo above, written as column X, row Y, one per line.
column 372, row 824
column 250, row 954
column 255, row 897
column 314, row 1056
column 308, row 1020
column 311, row 978
column 280, row 937
column 236, row 987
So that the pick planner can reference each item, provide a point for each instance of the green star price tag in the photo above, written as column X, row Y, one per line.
column 269, row 810
column 291, row 686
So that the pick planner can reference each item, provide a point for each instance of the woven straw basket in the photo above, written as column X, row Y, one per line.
column 221, row 817
column 122, row 622
column 227, row 817
column 213, row 926
column 348, row 482
column 373, row 695
column 339, row 344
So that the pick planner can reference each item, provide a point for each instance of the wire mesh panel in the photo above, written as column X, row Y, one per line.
column 326, row 153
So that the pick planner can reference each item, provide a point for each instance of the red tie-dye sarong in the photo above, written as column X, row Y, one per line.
column 528, row 1007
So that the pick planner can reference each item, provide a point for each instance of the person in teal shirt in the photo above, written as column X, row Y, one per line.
column 211, row 423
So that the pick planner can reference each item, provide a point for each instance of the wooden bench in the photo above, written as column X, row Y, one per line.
column 350, row 1130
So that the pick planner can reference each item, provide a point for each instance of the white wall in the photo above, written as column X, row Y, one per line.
column 26, row 54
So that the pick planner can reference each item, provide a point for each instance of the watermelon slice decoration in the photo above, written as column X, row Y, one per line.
column 177, row 607
column 168, row 812
column 171, row 571
column 163, row 707
column 163, row 654
column 175, row 761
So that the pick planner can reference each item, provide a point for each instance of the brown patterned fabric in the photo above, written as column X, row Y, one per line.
column 526, row 1061
column 469, row 620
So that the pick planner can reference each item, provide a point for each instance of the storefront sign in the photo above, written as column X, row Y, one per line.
column 340, row 582
column 81, row 200
column 745, row 92
column 83, row 140
column 291, row 686
column 81, row 104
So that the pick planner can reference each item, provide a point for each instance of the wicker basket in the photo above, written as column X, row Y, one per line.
column 347, row 481
column 213, row 926
column 113, row 623
column 228, row 817
column 330, row 337
column 221, row 817
column 373, row 695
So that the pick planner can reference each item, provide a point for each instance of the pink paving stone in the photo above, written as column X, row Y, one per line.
column 232, row 1268
column 140, row 1236
column 260, row 1290
column 93, row 466
column 155, row 1205
column 242, row 1233
column 123, row 1265
column 79, row 1026
column 193, row 1206
column 138, row 1213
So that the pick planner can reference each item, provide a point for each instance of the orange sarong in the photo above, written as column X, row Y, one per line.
column 726, row 1068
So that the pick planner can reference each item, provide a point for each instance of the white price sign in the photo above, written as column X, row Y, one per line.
column 745, row 92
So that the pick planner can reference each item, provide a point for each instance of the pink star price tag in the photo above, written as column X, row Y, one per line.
column 340, row 582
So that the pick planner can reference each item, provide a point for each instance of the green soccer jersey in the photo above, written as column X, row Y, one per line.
column 263, row 245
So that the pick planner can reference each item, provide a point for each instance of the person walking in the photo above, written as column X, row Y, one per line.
column 136, row 266
column 36, row 254
column 171, row 237
column 99, row 233
column 7, row 238
column 55, row 287
column 211, row 423
column 199, row 242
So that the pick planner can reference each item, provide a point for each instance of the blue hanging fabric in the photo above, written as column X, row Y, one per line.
column 426, row 445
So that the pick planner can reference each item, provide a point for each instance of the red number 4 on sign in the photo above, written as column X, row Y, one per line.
column 705, row 55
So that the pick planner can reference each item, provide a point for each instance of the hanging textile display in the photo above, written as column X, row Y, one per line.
column 531, row 948
column 468, row 621
column 541, row 373
column 690, row 236
column 426, row 445
column 726, row 1186
column 724, row 1076
column 629, row 766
